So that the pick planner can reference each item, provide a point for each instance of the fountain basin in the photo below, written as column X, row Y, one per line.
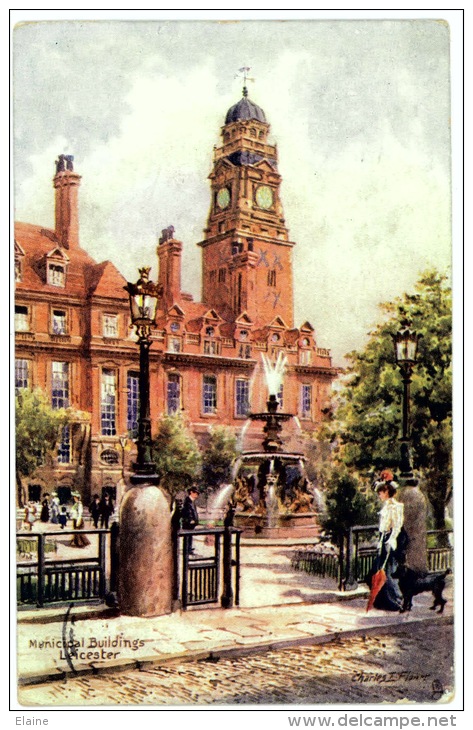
column 296, row 525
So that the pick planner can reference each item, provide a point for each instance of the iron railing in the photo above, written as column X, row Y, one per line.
column 42, row 580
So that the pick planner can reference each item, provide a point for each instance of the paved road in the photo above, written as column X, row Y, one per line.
column 413, row 664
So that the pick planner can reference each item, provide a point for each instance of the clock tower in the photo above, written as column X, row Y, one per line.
column 246, row 252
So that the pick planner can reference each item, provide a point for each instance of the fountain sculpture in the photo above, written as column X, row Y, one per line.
column 271, row 495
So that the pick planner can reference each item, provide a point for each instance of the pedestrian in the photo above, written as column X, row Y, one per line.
column 77, row 514
column 94, row 510
column 107, row 509
column 30, row 515
column 392, row 544
column 54, row 509
column 190, row 516
column 44, row 515
column 63, row 517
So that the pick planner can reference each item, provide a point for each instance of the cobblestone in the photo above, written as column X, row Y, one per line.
column 412, row 664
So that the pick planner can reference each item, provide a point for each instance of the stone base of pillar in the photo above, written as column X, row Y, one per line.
column 145, row 550
column 415, row 524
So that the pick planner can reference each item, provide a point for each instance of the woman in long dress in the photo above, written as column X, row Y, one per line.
column 391, row 546
column 77, row 514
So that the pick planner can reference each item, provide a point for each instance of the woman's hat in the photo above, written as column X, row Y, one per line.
column 387, row 475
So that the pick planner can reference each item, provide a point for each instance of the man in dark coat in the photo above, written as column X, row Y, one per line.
column 94, row 509
column 189, row 514
column 106, row 510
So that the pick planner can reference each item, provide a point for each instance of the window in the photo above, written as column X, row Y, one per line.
column 174, row 393
column 222, row 273
column 175, row 326
column 56, row 275
column 22, row 320
column 108, row 405
column 21, row 374
column 60, row 399
column 272, row 277
column 110, row 325
column 174, row 344
column 209, row 397
column 59, row 324
column 242, row 396
column 132, row 403
column 60, row 384
column 244, row 352
column 305, row 357
column 213, row 276
column 211, row 347
column 109, row 456
column 306, row 401
column 18, row 270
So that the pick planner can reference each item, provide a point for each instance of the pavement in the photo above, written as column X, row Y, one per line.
column 279, row 607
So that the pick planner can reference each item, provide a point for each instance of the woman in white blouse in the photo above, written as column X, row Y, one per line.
column 392, row 541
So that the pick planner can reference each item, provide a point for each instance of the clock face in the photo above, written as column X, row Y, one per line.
column 264, row 196
column 223, row 198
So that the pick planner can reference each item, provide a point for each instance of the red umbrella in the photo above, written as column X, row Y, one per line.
column 377, row 582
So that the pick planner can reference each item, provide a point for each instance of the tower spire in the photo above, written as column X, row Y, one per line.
column 243, row 71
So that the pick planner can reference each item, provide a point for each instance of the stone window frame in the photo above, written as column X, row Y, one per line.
column 55, row 320
column 108, row 402
column 22, row 318
column 173, row 379
column 56, row 274
column 22, row 373
column 132, row 402
column 242, row 397
column 60, row 398
column 209, row 394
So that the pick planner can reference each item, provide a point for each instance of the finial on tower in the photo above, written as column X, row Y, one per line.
column 243, row 71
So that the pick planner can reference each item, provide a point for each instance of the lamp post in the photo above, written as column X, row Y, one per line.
column 405, row 346
column 406, row 341
column 145, row 546
column 144, row 296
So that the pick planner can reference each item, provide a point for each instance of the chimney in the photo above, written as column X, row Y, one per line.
column 66, row 183
column 169, row 255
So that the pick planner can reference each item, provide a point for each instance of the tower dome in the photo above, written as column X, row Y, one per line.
column 245, row 109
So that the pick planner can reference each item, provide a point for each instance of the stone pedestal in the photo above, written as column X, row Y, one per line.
column 146, row 561
column 415, row 524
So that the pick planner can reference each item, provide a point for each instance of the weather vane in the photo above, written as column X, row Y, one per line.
column 243, row 72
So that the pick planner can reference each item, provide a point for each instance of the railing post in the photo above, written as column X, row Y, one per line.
column 226, row 600
column 40, row 590
column 185, row 570
column 341, row 541
column 175, row 525
column 102, row 564
column 237, row 567
column 350, row 583
column 114, row 537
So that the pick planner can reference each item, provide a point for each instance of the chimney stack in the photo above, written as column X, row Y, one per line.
column 169, row 256
column 66, row 183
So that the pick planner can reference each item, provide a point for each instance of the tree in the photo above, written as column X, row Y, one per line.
column 346, row 504
column 38, row 428
column 218, row 458
column 176, row 454
column 367, row 413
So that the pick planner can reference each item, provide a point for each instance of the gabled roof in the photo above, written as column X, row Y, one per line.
column 106, row 281
column 278, row 323
column 306, row 327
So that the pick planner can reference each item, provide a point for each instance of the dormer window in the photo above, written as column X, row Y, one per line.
column 110, row 325
column 18, row 270
column 56, row 275
column 175, row 326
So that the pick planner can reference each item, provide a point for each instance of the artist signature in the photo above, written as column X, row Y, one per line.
column 388, row 677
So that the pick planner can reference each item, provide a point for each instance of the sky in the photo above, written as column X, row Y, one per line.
column 359, row 109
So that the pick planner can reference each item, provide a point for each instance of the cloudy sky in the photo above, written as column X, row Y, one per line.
column 360, row 111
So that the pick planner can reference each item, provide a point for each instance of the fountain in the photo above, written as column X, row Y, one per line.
column 272, row 496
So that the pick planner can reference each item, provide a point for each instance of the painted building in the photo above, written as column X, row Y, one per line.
column 72, row 321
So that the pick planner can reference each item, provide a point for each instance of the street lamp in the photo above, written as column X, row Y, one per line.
column 145, row 565
column 405, row 346
column 144, row 296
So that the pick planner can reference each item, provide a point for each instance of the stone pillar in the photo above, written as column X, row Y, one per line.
column 415, row 524
column 146, row 563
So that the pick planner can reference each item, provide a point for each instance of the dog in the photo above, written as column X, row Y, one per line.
column 411, row 584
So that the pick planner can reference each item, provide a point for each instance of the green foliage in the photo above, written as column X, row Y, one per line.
column 367, row 416
column 347, row 504
column 38, row 427
column 176, row 454
column 218, row 458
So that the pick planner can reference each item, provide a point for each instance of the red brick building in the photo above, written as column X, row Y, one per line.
column 72, row 322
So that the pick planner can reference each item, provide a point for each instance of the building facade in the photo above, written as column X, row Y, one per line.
column 73, row 328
